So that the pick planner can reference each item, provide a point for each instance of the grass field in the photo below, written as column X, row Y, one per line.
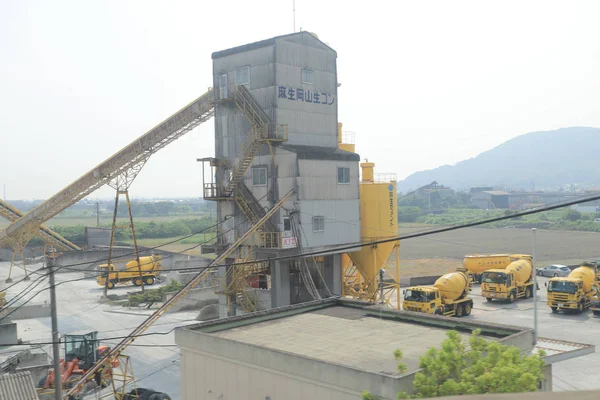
column 190, row 246
column 107, row 221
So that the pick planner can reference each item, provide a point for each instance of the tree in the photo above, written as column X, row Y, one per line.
column 482, row 367
column 573, row 215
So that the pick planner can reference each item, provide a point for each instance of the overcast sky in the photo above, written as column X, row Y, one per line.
column 423, row 83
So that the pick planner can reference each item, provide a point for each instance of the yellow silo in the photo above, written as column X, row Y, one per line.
column 379, row 220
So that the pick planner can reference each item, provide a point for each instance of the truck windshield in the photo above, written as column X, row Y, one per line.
column 415, row 295
column 493, row 277
column 562, row 286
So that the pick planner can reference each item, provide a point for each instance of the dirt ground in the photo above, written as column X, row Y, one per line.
column 443, row 252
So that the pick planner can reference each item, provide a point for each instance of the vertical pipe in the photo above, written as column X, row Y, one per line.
column 24, row 263
column 55, row 336
column 135, row 246
column 534, row 272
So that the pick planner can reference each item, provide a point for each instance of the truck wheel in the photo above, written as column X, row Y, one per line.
column 460, row 311
column 468, row 308
column 596, row 312
column 580, row 308
column 149, row 280
column 511, row 297
column 437, row 311
column 137, row 282
column 554, row 310
column 110, row 284
column 528, row 292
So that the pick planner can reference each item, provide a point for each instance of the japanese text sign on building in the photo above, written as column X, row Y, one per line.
column 305, row 95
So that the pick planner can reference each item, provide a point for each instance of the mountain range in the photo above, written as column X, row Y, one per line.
column 547, row 159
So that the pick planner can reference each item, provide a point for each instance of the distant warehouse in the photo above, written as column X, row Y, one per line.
column 328, row 349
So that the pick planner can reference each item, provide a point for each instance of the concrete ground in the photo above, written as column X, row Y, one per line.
column 155, row 358
column 577, row 374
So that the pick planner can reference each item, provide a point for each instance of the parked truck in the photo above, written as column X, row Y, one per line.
column 150, row 267
column 477, row 264
column 575, row 292
column 447, row 296
column 510, row 283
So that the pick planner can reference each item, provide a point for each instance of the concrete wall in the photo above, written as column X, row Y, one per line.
column 213, row 368
column 29, row 311
column 8, row 333
column 341, row 225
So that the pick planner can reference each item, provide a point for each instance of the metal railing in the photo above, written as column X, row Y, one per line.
column 385, row 177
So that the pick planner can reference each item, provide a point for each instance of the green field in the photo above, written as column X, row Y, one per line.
column 107, row 221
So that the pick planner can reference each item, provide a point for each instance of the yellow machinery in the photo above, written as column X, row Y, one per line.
column 365, row 273
column 510, row 283
column 447, row 296
column 150, row 268
column 476, row 264
column 576, row 291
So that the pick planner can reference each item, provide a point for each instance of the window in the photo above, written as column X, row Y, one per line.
column 259, row 177
column 242, row 75
column 287, row 226
column 343, row 175
column 318, row 224
column 307, row 76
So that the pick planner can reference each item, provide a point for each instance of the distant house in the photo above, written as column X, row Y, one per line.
column 490, row 199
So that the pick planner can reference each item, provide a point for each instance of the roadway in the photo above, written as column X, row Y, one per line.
column 577, row 374
column 155, row 358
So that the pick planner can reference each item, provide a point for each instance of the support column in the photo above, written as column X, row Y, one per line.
column 333, row 274
column 280, row 283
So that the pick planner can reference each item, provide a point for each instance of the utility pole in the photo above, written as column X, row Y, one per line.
column 535, row 289
column 50, row 262
column 97, row 214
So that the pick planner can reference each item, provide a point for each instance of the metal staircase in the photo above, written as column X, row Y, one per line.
column 261, row 131
column 251, row 208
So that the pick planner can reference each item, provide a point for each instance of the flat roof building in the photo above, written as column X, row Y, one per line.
column 329, row 349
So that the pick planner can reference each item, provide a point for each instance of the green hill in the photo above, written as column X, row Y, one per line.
column 547, row 159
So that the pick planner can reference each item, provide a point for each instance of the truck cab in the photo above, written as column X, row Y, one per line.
column 104, row 270
column 497, row 284
column 422, row 299
column 566, row 294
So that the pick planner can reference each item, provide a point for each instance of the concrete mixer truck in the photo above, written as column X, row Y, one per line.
column 477, row 264
column 510, row 283
column 150, row 269
column 576, row 291
column 447, row 296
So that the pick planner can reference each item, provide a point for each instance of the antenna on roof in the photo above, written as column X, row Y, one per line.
column 294, row 12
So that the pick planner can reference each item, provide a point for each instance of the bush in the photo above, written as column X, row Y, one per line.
column 573, row 215
column 408, row 214
column 154, row 295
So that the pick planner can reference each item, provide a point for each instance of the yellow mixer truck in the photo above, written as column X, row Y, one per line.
column 477, row 264
column 510, row 283
column 447, row 296
column 576, row 291
column 150, row 266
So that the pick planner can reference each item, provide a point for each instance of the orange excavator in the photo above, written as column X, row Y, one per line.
column 82, row 352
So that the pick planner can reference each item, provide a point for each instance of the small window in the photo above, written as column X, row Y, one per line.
column 318, row 224
column 287, row 226
column 343, row 175
column 242, row 75
column 259, row 177
column 307, row 76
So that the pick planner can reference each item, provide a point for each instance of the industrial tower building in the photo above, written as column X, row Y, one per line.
column 276, row 131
